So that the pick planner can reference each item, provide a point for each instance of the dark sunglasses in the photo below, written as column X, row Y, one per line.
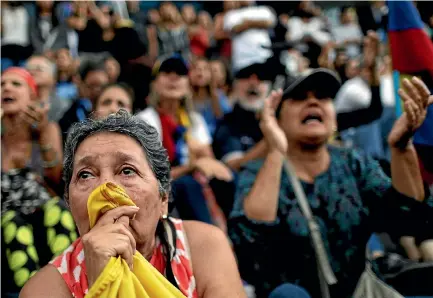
column 320, row 94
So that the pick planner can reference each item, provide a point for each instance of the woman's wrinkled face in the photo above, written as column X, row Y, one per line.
column 309, row 121
column 200, row 74
column 171, row 85
column 218, row 71
column 15, row 94
column 111, row 101
column 112, row 157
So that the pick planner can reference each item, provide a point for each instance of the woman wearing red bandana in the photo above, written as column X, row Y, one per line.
column 35, row 226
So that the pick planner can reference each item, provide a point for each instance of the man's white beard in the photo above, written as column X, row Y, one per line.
column 251, row 105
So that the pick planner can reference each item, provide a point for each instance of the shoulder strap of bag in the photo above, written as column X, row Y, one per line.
column 326, row 275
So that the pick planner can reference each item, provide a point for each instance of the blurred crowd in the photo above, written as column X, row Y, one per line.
column 199, row 73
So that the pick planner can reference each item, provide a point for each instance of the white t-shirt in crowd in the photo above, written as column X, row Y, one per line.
column 387, row 91
column 355, row 94
column 315, row 28
column 198, row 130
column 247, row 46
column 348, row 32
column 15, row 22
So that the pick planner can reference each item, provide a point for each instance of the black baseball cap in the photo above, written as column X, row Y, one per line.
column 324, row 82
column 258, row 69
column 173, row 63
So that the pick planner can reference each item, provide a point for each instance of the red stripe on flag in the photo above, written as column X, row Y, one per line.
column 412, row 51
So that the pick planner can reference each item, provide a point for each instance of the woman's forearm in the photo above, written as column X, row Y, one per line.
column 99, row 16
column 405, row 172
column 50, row 144
column 180, row 171
column 262, row 202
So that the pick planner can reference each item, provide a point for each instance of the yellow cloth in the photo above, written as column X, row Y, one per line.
column 117, row 280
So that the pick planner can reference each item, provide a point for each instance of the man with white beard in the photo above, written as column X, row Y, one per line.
column 238, row 138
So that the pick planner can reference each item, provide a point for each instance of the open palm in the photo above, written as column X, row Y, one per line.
column 272, row 132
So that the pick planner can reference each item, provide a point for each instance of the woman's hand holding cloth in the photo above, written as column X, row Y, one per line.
column 118, row 279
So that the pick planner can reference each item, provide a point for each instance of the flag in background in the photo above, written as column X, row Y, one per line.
column 412, row 55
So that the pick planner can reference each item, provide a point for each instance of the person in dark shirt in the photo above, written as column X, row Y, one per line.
column 92, row 78
column 349, row 195
column 237, row 135
column 90, row 22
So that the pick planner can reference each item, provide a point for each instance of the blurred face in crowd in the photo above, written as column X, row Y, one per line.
column 168, row 11
column 347, row 16
column 117, row 158
column 112, row 68
column 45, row 5
column 171, row 85
column 308, row 118
column 340, row 59
column 205, row 20
column 200, row 74
column 93, row 84
column 188, row 14
column 15, row 94
column 64, row 60
column 112, row 100
column 251, row 92
column 154, row 16
column 219, row 74
column 352, row 68
column 42, row 71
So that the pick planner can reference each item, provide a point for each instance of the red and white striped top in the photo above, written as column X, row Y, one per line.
column 72, row 266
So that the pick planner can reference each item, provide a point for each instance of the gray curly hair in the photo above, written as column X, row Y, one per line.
column 123, row 123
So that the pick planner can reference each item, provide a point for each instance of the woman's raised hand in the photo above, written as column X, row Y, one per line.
column 272, row 132
column 110, row 237
column 417, row 99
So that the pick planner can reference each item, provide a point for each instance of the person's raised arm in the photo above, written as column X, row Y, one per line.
column 405, row 171
column 49, row 138
column 261, row 203
column 78, row 20
column 100, row 17
column 220, row 33
column 251, row 24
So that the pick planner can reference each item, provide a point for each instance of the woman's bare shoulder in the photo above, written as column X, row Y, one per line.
column 213, row 262
column 47, row 282
column 198, row 231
